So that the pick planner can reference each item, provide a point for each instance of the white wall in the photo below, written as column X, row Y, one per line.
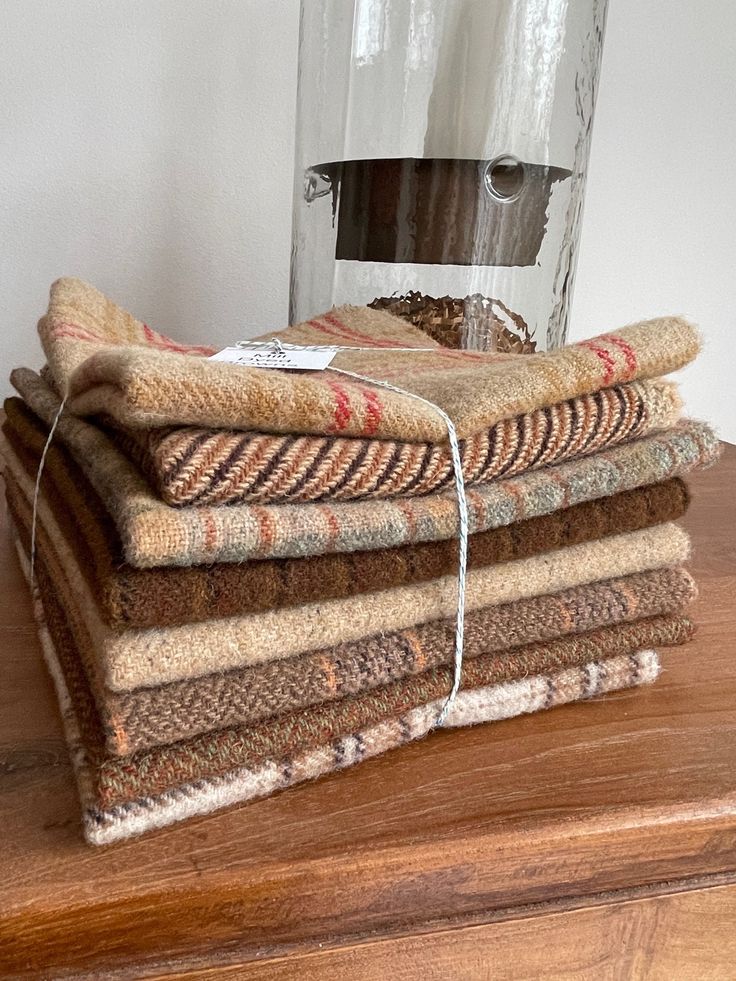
column 659, row 234
column 147, row 147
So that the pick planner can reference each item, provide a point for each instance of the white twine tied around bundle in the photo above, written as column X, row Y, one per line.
column 457, row 468
column 282, row 347
column 37, row 488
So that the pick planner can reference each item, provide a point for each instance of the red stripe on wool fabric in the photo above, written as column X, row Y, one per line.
column 629, row 353
column 342, row 410
column 204, row 349
column 210, row 532
column 373, row 411
column 333, row 525
column 161, row 341
column 358, row 335
column 444, row 352
column 408, row 511
column 605, row 357
column 326, row 329
column 190, row 348
column 77, row 332
column 563, row 484
column 456, row 355
column 266, row 529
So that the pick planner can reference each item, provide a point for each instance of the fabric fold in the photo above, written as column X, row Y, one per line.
column 108, row 362
column 194, row 467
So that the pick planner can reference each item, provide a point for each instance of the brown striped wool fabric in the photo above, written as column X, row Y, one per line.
column 118, row 780
column 189, row 466
column 169, row 596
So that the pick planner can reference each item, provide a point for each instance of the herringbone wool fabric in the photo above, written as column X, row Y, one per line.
column 152, row 533
column 132, row 659
column 104, row 826
column 168, row 596
column 108, row 362
column 193, row 466
column 114, row 781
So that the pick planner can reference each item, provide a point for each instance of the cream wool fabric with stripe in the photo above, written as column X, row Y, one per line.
column 142, row 658
column 110, row 363
column 154, row 534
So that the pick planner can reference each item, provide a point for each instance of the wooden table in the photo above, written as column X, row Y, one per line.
column 593, row 841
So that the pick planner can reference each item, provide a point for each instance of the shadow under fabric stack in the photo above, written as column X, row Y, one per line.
column 247, row 578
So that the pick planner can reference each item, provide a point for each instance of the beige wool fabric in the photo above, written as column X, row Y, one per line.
column 154, row 534
column 110, row 363
column 132, row 659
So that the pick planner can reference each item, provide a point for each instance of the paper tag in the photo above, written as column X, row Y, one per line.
column 269, row 356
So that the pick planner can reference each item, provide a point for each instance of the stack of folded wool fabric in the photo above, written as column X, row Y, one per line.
column 246, row 578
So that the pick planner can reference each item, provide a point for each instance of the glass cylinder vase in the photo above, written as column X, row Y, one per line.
column 441, row 155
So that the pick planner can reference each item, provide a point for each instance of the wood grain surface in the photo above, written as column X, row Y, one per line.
column 467, row 828
column 667, row 938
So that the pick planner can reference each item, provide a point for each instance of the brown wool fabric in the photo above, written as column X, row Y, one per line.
column 110, row 363
column 114, row 780
column 193, row 466
column 170, row 596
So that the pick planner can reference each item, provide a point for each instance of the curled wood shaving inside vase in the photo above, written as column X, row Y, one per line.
column 477, row 321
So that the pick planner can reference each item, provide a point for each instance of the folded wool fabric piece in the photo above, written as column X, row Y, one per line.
column 152, row 533
column 108, row 362
column 135, row 658
column 104, row 826
column 168, row 596
column 115, row 780
column 190, row 466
